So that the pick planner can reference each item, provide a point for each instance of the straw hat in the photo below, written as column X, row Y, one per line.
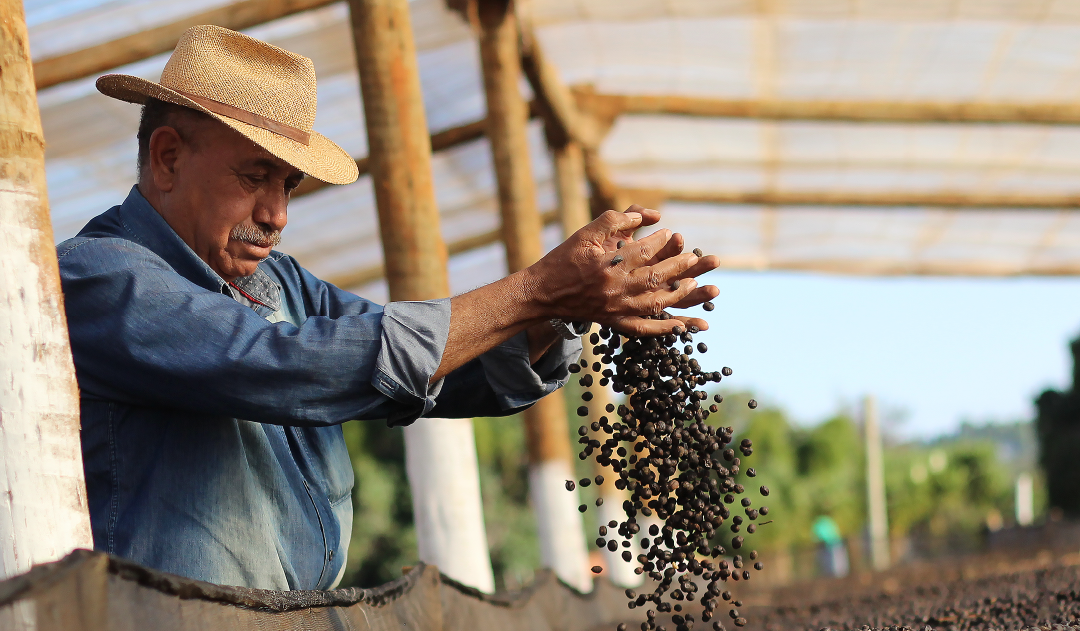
column 261, row 91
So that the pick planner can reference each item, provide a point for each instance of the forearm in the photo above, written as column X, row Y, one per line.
column 485, row 317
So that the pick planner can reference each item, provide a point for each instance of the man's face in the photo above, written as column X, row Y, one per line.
column 224, row 195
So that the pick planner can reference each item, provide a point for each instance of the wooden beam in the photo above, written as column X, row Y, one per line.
column 559, row 526
column 43, row 507
column 610, row 106
column 507, row 118
column 162, row 39
column 440, row 454
column 566, row 123
column 899, row 199
column 370, row 274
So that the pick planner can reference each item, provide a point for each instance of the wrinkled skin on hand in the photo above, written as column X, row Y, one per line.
column 588, row 277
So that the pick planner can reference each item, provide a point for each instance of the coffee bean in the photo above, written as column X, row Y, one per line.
column 599, row 501
column 708, row 306
column 726, row 371
column 617, row 259
column 752, row 404
column 675, row 284
column 620, row 245
column 570, row 485
column 698, row 253
column 584, row 482
column 596, row 569
column 583, row 411
column 583, row 508
column 702, row 348
column 764, row 490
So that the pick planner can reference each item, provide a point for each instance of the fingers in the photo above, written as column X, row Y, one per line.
column 673, row 247
column 643, row 250
column 648, row 215
column 641, row 327
column 698, row 296
column 661, row 275
column 654, row 302
column 611, row 224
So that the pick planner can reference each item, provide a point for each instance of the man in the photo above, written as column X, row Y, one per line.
column 215, row 372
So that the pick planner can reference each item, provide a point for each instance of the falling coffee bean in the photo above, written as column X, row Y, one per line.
column 752, row 404
column 596, row 569
column 570, row 485
column 708, row 306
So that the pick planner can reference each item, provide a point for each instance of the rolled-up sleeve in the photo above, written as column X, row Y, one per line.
column 518, row 383
column 414, row 336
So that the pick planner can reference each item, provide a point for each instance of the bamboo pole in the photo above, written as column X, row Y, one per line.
column 613, row 105
column 959, row 200
column 43, row 506
column 440, row 453
column 562, row 538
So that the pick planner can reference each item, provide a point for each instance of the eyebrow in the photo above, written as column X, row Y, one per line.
column 270, row 165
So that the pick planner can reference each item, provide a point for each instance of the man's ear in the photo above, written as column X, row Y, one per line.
column 165, row 147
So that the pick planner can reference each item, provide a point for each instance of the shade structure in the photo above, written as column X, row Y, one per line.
column 1023, row 56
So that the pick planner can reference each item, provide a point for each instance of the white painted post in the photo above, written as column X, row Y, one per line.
column 620, row 572
column 43, row 507
column 558, row 522
column 1025, row 499
column 440, row 454
column 440, row 461
column 875, row 487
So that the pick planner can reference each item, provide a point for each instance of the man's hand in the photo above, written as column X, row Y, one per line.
column 591, row 278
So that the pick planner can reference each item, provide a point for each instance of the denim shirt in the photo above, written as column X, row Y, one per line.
column 211, row 411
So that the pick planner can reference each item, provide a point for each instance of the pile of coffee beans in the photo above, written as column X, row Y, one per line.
column 680, row 472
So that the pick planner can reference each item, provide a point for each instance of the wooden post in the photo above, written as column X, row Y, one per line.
column 43, row 507
column 440, row 453
column 562, row 538
column 570, row 186
column 878, row 521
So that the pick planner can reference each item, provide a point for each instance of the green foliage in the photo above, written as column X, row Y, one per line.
column 945, row 487
column 383, row 536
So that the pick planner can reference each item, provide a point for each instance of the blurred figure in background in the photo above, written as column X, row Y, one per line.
column 832, row 554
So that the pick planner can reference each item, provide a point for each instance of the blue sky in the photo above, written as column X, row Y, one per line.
column 935, row 351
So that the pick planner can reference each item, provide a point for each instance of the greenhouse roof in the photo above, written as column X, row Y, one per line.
column 856, row 137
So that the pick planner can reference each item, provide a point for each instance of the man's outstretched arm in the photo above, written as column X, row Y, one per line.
column 589, row 277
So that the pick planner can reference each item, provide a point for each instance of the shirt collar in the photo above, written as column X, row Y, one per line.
column 148, row 228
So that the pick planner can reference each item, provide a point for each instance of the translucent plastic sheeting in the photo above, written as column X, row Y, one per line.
column 922, row 50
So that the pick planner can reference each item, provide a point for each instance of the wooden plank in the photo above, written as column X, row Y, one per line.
column 162, row 39
column 43, row 505
column 898, row 199
column 610, row 106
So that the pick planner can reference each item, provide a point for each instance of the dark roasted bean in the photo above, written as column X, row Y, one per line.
column 570, row 485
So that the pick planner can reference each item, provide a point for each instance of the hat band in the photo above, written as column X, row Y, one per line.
column 251, row 118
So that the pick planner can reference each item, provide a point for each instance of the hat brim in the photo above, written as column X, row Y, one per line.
column 321, row 158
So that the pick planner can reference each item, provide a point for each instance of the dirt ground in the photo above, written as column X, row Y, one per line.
column 999, row 591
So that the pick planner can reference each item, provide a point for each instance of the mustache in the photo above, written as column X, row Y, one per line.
column 256, row 235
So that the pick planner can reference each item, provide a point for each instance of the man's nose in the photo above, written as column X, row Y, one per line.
column 272, row 210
